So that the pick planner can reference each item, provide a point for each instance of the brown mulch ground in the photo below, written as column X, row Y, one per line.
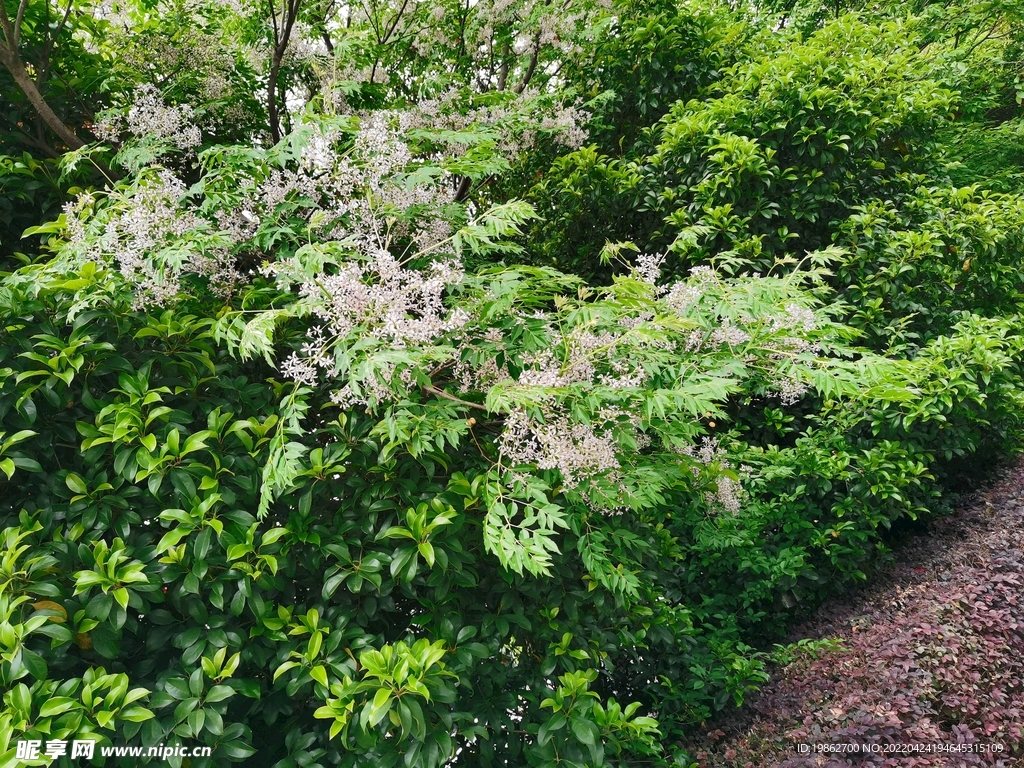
column 933, row 671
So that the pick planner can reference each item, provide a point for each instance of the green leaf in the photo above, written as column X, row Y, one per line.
column 427, row 550
column 554, row 723
column 135, row 714
column 273, row 535
column 76, row 483
column 282, row 668
column 586, row 731
column 319, row 673
column 104, row 642
column 376, row 710
column 56, row 706
column 218, row 693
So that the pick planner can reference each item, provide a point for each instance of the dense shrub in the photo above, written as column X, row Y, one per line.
column 913, row 271
column 792, row 143
column 376, row 543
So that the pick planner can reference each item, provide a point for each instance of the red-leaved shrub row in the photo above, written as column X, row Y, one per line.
column 934, row 656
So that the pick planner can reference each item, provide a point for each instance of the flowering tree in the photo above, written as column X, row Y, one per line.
column 320, row 448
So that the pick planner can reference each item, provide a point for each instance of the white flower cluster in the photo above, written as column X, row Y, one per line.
column 353, row 197
column 729, row 334
column 382, row 300
column 196, row 57
column 553, row 441
column 140, row 239
column 356, row 200
column 728, row 493
column 576, row 450
column 300, row 369
column 150, row 117
column 567, row 126
column 385, row 153
column 377, row 390
column 432, row 231
column 400, row 306
column 536, row 25
column 789, row 390
column 583, row 352
column 784, row 330
column 304, row 45
column 686, row 293
column 73, row 210
column 154, row 219
column 480, row 377
column 634, row 321
column 113, row 13
column 795, row 317
column 513, row 138
column 380, row 142
column 648, row 267
column 694, row 341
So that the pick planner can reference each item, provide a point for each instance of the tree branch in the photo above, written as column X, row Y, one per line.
column 531, row 67
column 394, row 24
column 325, row 34
column 44, row 59
column 16, row 42
column 462, row 191
column 442, row 394
column 16, row 67
column 29, row 140
column 7, row 28
column 503, row 69
column 282, row 34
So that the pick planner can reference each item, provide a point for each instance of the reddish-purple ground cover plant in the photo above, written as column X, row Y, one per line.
column 934, row 655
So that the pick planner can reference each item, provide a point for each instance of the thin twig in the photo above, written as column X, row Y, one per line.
column 442, row 394
column 16, row 42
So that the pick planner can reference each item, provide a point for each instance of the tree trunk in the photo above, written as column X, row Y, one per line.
column 17, row 69
column 272, row 111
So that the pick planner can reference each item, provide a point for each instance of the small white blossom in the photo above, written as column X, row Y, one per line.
column 729, row 334
column 648, row 267
column 576, row 450
column 795, row 317
column 150, row 117
column 728, row 493
column 789, row 389
column 300, row 370
column 682, row 296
